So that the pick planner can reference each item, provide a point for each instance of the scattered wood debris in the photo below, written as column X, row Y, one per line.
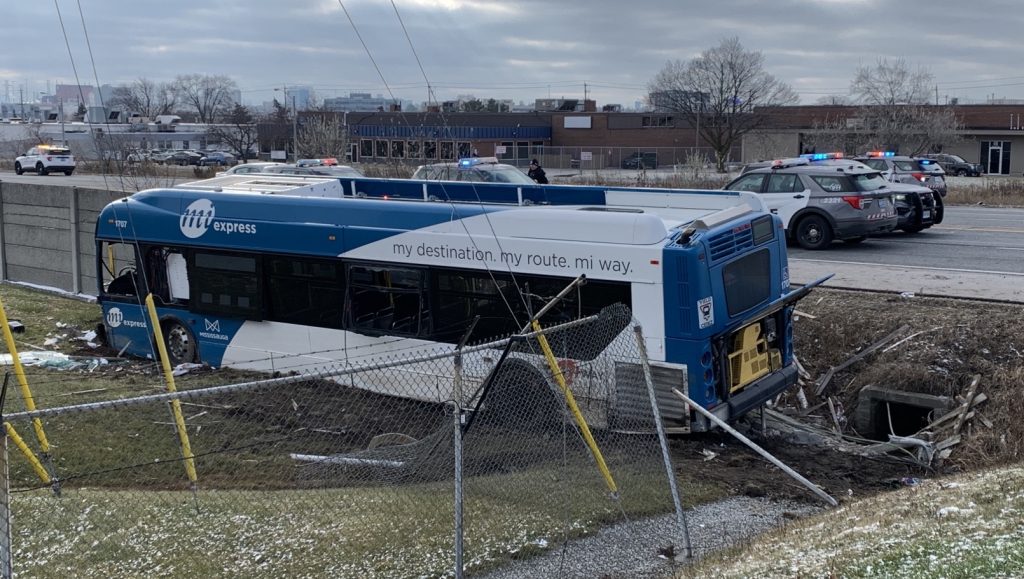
column 926, row 448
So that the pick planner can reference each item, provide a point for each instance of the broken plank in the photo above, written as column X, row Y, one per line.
column 985, row 421
column 835, row 416
column 800, row 370
column 951, row 441
column 956, row 412
column 970, row 402
column 910, row 337
column 93, row 391
column 804, row 315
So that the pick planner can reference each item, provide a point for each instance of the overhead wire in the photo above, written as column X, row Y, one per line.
column 455, row 212
column 81, row 92
column 140, row 259
column 444, row 123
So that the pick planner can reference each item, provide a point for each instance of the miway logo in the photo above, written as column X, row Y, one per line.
column 196, row 219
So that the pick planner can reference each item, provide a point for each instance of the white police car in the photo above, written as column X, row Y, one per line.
column 904, row 169
column 45, row 158
column 818, row 201
column 476, row 169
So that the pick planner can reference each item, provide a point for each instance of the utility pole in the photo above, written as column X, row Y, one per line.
column 295, row 121
column 295, row 130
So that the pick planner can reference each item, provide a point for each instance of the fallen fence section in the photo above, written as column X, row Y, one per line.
column 350, row 472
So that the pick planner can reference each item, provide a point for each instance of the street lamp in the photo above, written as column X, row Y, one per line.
column 295, row 126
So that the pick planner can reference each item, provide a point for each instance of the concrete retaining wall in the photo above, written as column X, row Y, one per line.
column 46, row 234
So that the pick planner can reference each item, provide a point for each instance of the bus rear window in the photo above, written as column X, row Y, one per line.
column 747, row 281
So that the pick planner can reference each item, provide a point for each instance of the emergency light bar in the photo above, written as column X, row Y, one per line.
column 881, row 154
column 821, row 156
column 470, row 161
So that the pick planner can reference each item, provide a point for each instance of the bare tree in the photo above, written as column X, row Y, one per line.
column 237, row 132
column 895, row 112
column 321, row 135
column 280, row 113
column 839, row 132
column 208, row 96
column 718, row 94
column 146, row 97
column 835, row 100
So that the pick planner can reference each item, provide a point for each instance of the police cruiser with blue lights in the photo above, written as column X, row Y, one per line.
column 822, row 197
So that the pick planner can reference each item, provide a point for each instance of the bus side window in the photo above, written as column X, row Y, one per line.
column 305, row 291
column 225, row 283
column 459, row 296
column 385, row 300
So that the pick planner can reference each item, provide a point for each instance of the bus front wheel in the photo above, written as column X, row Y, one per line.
column 180, row 344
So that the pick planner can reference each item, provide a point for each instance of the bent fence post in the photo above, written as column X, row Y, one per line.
column 813, row 487
column 663, row 440
column 179, row 420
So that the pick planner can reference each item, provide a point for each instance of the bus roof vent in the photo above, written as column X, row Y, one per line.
column 729, row 242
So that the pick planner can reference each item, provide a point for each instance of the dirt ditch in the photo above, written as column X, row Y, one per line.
column 934, row 347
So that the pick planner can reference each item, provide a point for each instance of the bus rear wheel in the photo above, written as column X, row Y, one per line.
column 178, row 340
column 521, row 398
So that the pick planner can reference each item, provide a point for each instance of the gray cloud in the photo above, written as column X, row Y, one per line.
column 512, row 49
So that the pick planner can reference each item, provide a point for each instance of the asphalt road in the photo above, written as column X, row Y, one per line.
column 110, row 182
column 977, row 252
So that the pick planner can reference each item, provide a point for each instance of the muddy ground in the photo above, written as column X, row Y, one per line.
column 955, row 339
column 948, row 342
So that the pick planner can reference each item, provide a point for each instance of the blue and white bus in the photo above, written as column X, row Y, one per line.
column 280, row 282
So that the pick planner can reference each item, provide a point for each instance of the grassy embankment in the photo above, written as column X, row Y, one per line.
column 125, row 513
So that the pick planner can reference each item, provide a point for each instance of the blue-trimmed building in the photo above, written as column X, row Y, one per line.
column 424, row 137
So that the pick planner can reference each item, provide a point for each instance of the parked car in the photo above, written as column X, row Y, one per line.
column 917, row 207
column 638, row 160
column 45, row 158
column 182, row 158
column 476, row 169
column 904, row 169
column 217, row 158
column 956, row 165
column 138, row 156
column 245, row 168
column 819, row 202
column 160, row 157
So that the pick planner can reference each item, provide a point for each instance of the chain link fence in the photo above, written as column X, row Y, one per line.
column 586, row 158
column 429, row 462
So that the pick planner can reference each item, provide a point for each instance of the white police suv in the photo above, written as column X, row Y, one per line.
column 478, row 169
column 818, row 203
column 45, row 158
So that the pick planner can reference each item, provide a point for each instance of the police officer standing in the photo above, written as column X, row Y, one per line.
column 536, row 173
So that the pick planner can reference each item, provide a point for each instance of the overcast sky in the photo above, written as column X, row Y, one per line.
column 505, row 48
